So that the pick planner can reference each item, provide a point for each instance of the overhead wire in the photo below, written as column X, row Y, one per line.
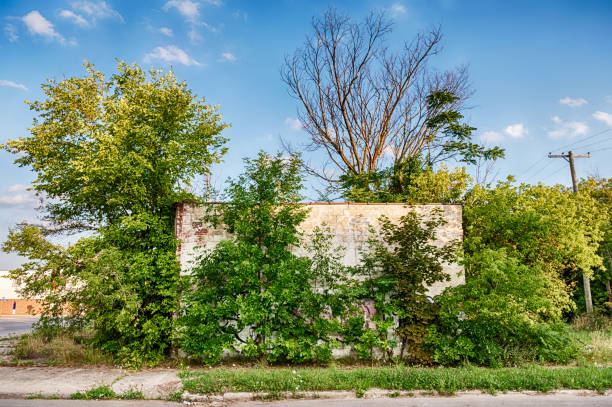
column 557, row 169
column 581, row 141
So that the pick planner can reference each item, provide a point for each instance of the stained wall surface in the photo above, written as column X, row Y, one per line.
column 349, row 223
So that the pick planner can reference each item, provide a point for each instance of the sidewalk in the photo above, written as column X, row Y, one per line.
column 21, row 382
column 24, row 382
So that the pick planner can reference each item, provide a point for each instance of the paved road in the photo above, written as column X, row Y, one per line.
column 502, row 400
column 86, row 403
column 15, row 325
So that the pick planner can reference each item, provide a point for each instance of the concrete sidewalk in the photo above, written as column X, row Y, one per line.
column 24, row 382
column 21, row 382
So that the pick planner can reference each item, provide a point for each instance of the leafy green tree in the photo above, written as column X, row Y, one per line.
column 548, row 227
column 251, row 294
column 601, row 191
column 506, row 313
column 399, row 264
column 407, row 182
column 112, row 156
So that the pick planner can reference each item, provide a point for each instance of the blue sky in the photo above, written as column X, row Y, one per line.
column 541, row 70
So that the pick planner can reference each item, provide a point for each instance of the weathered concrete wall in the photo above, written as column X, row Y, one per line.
column 349, row 222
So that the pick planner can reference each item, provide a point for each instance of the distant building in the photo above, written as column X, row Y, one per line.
column 10, row 298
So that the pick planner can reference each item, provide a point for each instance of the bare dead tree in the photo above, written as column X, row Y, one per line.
column 360, row 102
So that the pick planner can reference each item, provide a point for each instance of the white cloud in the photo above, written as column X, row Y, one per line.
column 96, row 10
column 170, row 54
column 228, row 56
column 398, row 9
column 12, row 84
column 166, row 31
column 516, row 130
column 11, row 32
column 186, row 8
column 194, row 35
column 568, row 129
column 17, row 200
column 86, row 13
column 491, row 137
column 294, row 124
column 216, row 3
column 17, row 188
column 241, row 15
column 573, row 102
column 77, row 19
column 604, row 117
column 38, row 25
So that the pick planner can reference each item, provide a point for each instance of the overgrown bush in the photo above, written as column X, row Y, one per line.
column 506, row 313
column 399, row 264
column 251, row 294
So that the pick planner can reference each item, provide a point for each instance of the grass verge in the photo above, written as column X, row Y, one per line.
column 442, row 380
column 64, row 349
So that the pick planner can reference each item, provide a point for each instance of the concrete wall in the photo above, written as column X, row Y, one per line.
column 349, row 222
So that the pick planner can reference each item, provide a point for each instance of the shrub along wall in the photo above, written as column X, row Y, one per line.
column 348, row 222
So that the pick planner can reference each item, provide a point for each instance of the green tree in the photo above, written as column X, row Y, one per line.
column 547, row 227
column 112, row 156
column 506, row 313
column 399, row 264
column 407, row 182
column 601, row 191
column 251, row 294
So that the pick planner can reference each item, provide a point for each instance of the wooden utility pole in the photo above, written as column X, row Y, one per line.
column 569, row 157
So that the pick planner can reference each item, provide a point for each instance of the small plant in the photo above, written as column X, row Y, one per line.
column 97, row 393
column 132, row 394
column 359, row 393
column 175, row 396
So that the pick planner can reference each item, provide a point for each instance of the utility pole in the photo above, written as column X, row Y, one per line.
column 569, row 157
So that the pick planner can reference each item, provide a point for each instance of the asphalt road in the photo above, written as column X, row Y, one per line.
column 15, row 325
column 501, row 400
column 86, row 403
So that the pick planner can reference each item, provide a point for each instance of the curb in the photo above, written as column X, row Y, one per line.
column 369, row 394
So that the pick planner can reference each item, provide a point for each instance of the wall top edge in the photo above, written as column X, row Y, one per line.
column 342, row 203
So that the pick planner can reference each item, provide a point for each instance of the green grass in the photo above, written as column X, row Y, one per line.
column 442, row 380
column 105, row 392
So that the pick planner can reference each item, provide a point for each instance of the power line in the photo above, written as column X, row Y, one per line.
column 602, row 149
column 581, row 141
column 582, row 147
column 539, row 160
column 546, row 165
column 552, row 173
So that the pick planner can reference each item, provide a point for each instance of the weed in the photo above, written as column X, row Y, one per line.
column 64, row 349
column 175, row 396
column 97, row 393
column 132, row 394
column 42, row 396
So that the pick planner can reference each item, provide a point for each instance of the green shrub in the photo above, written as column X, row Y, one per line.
column 251, row 294
column 506, row 313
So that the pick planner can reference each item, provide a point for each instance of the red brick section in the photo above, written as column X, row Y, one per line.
column 24, row 307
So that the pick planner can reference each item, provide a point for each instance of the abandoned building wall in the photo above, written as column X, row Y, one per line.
column 349, row 222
